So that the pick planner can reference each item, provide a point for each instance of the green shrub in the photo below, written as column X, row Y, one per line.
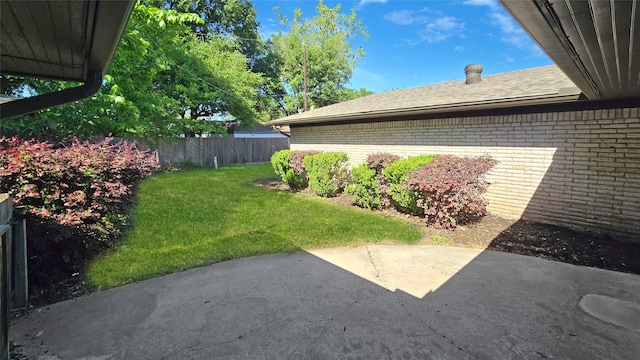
column 327, row 172
column 379, row 162
column 364, row 187
column 404, row 198
column 288, row 165
column 280, row 161
column 294, row 180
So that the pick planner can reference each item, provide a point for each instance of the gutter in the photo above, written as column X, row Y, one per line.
column 434, row 109
column 32, row 104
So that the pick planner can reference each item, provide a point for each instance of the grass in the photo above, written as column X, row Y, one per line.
column 202, row 216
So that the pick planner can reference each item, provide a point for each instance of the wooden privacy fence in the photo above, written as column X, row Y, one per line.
column 214, row 151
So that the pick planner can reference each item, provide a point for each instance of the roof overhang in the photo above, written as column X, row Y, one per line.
column 572, row 96
column 596, row 43
column 62, row 40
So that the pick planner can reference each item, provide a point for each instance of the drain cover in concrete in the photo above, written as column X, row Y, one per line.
column 614, row 311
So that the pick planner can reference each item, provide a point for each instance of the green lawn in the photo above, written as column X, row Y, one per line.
column 186, row 219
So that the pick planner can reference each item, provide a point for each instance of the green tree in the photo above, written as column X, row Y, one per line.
column 331, row 55
column 229, row 19
column 235, row 21
column 212, row 81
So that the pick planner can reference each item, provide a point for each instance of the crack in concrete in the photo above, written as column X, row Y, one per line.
column 433, row 330
column 373, row 263
column 375, row 267
column 193, row 346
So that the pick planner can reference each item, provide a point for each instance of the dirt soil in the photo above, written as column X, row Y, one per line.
column 491, row 232
column 522, row 237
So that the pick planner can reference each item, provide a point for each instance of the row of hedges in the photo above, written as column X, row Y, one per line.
column 445, row 189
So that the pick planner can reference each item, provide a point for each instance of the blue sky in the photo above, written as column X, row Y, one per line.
column 415, row 43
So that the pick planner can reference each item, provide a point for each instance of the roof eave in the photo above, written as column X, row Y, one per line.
column 430, row 110
column 592, row 42
column 105, row 24
column 114, row 16
column 538, row 22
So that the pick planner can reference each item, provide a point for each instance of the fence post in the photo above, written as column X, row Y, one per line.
column 20, row 279
column 6, row 213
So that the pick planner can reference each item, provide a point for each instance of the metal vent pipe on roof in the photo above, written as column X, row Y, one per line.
column 473, row 73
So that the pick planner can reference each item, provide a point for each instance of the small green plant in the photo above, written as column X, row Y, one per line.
column 437, row 239
column 404, row 198
column 364, row 187
column 327, row 172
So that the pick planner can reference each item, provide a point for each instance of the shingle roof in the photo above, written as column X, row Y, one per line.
column 545, row 84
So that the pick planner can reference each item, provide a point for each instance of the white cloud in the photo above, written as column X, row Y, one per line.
column 489, row 3
column 513, row 34
column 441, row 29
column 434, row 29
column 510, row 31
column 364, row 2
column 459, row 48
column 406, row 17
column 446, row 23
column 506, row 24
column 268, row 28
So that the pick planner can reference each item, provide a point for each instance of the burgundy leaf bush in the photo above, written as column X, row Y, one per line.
column 297, row 160
column 450, row 189
column 87, row 185
column 379, row 161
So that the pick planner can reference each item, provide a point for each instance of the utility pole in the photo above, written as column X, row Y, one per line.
column 306, row 99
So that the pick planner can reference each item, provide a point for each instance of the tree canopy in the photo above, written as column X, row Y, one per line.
column 162, row 78
column 184, row 64
column 331, row 56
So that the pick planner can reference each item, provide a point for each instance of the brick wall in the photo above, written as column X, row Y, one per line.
column 579, row 169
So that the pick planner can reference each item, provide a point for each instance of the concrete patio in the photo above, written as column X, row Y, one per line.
column 369, row 302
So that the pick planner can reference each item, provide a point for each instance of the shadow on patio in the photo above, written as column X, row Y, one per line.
column 365, row 302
